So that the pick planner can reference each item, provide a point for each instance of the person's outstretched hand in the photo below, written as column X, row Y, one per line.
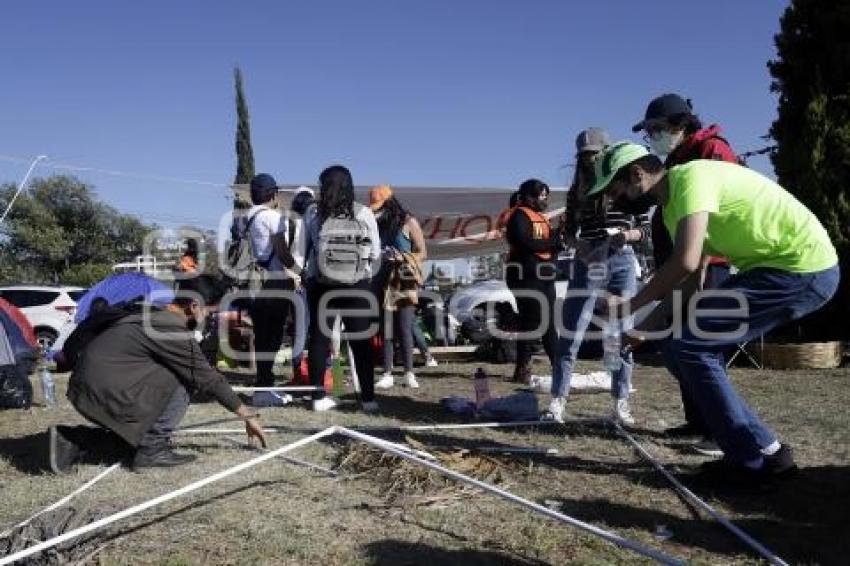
column 254, row 429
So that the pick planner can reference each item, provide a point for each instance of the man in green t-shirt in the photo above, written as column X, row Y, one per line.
column 787, row 269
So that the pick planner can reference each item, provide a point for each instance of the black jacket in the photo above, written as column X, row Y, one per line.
column 523, row 249
column 126, row 375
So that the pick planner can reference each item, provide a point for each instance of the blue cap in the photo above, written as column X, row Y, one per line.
column 263, row 188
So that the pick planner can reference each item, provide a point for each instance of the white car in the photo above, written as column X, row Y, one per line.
column 48, row 309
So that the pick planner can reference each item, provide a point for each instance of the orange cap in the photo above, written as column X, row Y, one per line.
column 378, row 195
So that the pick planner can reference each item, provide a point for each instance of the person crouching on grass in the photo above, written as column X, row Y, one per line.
column 133, row 377
column 787, row 269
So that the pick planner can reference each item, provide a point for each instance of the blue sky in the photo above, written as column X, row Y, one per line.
column 478, row 93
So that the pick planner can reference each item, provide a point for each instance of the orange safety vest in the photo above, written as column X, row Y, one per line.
column 540, row 230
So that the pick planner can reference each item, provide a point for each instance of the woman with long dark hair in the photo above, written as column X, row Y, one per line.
column 343, row 247
column 402, row 243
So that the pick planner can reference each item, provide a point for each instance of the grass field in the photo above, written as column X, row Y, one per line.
column 280, row 513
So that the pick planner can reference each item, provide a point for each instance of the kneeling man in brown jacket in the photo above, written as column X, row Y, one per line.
column 134, row 370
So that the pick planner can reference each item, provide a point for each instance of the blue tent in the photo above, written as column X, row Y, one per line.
column 125, row 287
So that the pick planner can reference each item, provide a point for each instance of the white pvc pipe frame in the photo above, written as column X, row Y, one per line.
column 690, row 495
column 65, row 499
column 382, row 444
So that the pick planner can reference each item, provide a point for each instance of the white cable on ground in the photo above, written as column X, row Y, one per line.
column 687, row 493
column 606, row 535
column 136, row 509
column 65, row 499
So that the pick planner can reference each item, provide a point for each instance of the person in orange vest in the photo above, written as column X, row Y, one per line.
column 530, row 272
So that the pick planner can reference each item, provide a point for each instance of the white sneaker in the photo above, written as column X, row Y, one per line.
column 386, row 381
column 370, row 407
column 621, row 412
column 556, row 408
column 431, row 362
column 324, row 404
column 410, row 380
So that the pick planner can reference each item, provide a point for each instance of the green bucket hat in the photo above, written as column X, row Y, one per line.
column 611, row 160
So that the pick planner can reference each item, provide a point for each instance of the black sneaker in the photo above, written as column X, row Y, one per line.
column 162, row 458
column 780, row 464
column 62, row 453
column 682, row 431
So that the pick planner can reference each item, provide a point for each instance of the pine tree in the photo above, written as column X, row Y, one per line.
column 244, row 152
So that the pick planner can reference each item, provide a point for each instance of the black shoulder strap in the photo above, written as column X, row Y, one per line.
column 290, row 232
column 251, row 221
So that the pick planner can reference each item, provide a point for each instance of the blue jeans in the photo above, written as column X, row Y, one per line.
column 772, row 297
column 612, row 271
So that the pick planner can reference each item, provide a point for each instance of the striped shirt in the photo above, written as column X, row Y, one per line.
column 590, row 218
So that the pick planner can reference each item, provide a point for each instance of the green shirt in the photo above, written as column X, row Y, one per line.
column 752, row 221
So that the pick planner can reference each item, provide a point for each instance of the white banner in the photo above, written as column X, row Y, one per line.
column 456, row 221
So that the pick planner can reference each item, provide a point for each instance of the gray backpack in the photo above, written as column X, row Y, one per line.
column 343, row 248
column 242, row 266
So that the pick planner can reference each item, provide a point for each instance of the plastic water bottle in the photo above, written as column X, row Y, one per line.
column 48, row 388
column 611, row 359
column 482, row 387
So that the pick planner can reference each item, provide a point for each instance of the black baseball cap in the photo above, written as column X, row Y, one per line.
column 664, row 106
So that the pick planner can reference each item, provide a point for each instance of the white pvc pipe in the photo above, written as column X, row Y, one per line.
column 240, row 389
column 65, row 499
column 136, row 509
column 477, row 425
column 688, row 494
column 185, row 431
column 290, row 459
column 606, row 535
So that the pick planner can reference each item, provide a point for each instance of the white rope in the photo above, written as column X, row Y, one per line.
column 21, row 186
column 65, row 499
column 136, row 509
column 606, row 535
column 687, row 493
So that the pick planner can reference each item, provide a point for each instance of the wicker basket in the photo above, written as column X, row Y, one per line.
column 809, row 355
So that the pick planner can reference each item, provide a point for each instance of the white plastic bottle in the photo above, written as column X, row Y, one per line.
column 48, row 387
column 611, row 343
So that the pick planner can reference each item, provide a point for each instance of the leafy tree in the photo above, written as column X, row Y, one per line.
column 244, row 151
column 58, row 227
column 811, row 75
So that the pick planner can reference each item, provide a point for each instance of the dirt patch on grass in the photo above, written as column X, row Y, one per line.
column 377, row 511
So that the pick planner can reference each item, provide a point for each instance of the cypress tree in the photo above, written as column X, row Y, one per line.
column 244, row 151
column 811, row 76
